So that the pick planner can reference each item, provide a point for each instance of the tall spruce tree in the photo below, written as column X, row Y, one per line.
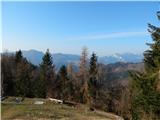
column 145, row 86
column 93, row 82
column 64, row 80
column 47, row 75
column 22, row 76
column 23, row 79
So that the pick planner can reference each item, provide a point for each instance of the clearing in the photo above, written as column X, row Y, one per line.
column 49, row 111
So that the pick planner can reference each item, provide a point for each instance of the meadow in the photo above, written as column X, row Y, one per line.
column 27, row 110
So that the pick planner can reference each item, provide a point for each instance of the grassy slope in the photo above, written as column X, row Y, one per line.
column 28, row 110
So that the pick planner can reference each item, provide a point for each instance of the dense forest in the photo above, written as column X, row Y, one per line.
column 138, row 100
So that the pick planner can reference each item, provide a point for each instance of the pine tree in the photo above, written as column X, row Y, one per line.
column 152, row 56
column 145, row 86
column 93, row 82
column 93, row 70
column 22, row 76
column 64, row 81
column 66, row 84
column 23, row 79
column 47, row 75
column 18, row 56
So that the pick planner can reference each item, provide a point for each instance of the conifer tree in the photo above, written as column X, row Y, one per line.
column 23, row 79
column 145, row 86
column 22, row 76
column 47, row 75
column 18, row 56
column 84, row 76
column 93, row 82
column 64, row 81
column 66, row 84
column 93, row 70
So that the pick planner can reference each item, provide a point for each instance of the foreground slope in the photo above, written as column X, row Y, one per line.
column 50, row 111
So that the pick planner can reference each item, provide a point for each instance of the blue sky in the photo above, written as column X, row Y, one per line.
column 103, row 27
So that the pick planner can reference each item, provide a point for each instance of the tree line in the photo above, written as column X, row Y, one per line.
column 22, row 78
column 88, row 85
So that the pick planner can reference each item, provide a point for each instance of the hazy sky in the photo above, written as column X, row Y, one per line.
column 104, row 27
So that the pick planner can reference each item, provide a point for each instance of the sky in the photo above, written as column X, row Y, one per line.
column 66, row 27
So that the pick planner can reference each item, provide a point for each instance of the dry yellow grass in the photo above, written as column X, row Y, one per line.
column 49, row 111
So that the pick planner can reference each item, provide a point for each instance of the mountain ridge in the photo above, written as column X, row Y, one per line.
column 35, row 57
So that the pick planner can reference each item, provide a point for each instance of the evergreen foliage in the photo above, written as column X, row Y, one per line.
column 7, row 74
column 18, row 56
column 145, row 87
column 47, row 75
column 23, row 76
column 66, row 84
column 93, row 81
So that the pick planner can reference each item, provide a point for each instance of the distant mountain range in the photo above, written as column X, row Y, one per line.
column 59, row 59
column 126, row 57
column 115, row 66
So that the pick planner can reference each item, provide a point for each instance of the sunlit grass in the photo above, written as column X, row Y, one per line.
column 28, row 110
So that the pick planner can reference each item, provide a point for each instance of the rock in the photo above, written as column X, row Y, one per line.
column 55, row 100
column 39, row 102
column 19, row 100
